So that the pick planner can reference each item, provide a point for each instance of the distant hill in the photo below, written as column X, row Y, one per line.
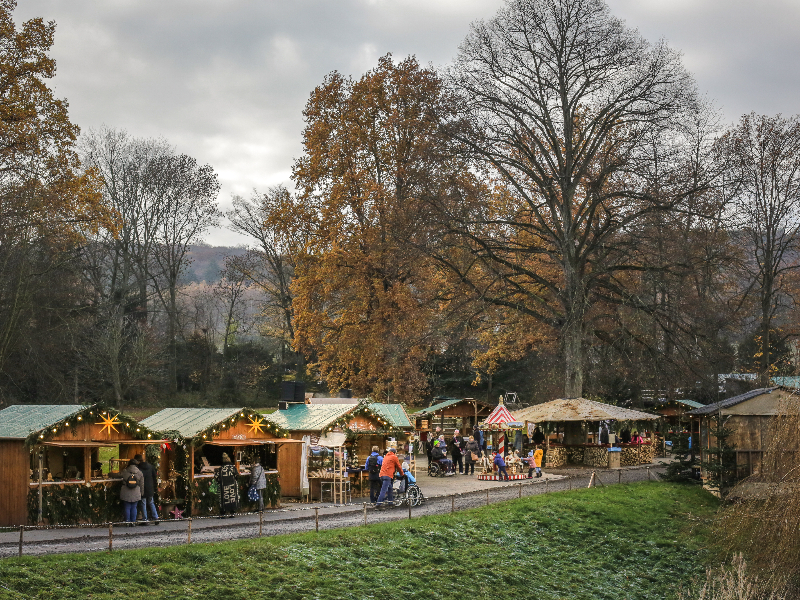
column 207, row 262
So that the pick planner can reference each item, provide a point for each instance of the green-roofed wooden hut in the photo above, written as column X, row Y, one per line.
column 451, row 413
column 48, row 460
column 364, row 422
column 198, row 438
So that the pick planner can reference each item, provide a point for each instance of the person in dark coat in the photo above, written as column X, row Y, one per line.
column 471, row 448
column 147, row 502
column 373, row 468
column 456, row 451
column 228, row 487
column 538, row 437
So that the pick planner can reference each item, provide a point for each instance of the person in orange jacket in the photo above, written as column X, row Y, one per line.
column 389, row 466
column 536, row 463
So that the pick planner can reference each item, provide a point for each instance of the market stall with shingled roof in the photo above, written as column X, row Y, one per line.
column 51, row 467
column 197, row 438
column 575, row 434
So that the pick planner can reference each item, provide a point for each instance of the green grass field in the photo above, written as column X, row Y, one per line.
column 621, row 543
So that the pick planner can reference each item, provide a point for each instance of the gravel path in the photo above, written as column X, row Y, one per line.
column 302, row 519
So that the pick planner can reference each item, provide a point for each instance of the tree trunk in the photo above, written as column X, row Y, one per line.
column 573, row 357
column 172, row 332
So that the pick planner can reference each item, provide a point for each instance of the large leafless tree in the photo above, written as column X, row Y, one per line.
column 763, row 155
column 568, row 108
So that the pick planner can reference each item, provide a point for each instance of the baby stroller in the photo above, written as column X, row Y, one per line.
column 407, row 493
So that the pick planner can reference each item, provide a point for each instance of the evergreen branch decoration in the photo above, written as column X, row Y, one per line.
column 126, row 424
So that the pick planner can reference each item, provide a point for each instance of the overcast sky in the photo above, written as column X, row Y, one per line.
column 226, row 80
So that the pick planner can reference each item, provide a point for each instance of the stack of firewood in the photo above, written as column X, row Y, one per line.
column 595, row 456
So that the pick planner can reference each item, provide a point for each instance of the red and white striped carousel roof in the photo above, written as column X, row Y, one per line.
column 500, row 416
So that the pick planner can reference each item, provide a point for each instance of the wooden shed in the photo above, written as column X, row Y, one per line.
column 451, row 413
column 197, row 438
column 50, row 462
column 747, row 416
column 364, row 423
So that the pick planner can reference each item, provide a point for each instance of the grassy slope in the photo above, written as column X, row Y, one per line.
column 621, row 542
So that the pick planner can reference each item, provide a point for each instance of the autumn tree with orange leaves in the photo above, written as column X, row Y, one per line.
column 47, row 203
column 368, row 303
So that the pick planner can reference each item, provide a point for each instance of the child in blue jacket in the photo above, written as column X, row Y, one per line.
column 501, row 466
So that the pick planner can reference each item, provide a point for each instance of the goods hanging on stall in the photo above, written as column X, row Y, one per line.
column 498, row 425
column 51, row 464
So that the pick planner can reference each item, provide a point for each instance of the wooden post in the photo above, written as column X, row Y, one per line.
column 87, row 466
column 110, row 536
column 41, row 466
column 546, row 486
column 316, row 518
column 189, row 531
column 487, row 496
column 21, row 532
column 260, row 522
column 190, row 487
column 452, row 504
column 648, row 473
column 409, row 508
column 619, row 476
column 520, row 489
column 365, row 513
column 570, row 483
column 591, row 480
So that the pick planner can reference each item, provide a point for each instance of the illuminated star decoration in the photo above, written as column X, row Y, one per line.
column 109, row 423
column 177, row 513
column 256, row 424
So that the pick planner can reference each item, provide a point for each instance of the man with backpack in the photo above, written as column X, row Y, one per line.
column 131, row 491
column 373, row 469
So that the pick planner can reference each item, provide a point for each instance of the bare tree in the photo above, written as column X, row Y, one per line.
column 566, row 107
column 763, row 154
column 269, row 220
column 231, row 290
column 186, row 208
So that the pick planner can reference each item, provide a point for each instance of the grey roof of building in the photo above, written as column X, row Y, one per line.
column 21, row 420
column 728, row 402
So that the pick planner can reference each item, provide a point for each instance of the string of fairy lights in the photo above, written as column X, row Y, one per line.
column 363, row 409
column 257, row 422
column 110, row 419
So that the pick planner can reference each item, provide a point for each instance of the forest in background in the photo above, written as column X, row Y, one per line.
column 552, row 214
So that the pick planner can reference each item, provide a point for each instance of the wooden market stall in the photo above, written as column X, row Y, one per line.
column 747, row 416
column 450, row 414
column 578, row 441
column 364, row 423
column 196, row 441
column 51, row 467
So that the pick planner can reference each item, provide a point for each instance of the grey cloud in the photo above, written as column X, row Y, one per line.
column 226, row 81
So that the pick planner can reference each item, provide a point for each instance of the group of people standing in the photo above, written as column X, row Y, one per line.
column 139, row 484
column 466, row 451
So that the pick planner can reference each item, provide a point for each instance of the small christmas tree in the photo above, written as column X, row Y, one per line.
column 682, row 468
column 719, row 466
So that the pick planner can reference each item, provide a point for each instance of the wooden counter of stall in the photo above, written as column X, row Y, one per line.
column 51, row 466
column 197, row 440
